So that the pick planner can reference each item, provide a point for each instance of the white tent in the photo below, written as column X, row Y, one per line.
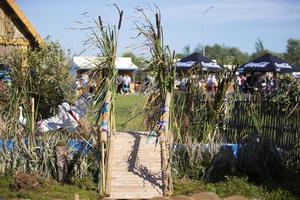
column 89, row 62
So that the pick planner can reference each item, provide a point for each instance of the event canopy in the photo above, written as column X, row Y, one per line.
column 197, row 59
column 296, row 72
column 267, row 63
column 89, row 62
column 296, row 68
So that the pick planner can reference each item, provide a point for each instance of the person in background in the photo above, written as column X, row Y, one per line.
column 262, row 83
column 120, row 80
column 147, row 83
column 215, row 83
column 211, row 84
column 183, row 84
column 241, row 81
column 126, row 84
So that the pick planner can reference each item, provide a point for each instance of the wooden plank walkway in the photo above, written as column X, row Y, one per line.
column 136, row 167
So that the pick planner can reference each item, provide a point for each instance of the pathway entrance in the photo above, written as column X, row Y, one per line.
column 136, row 167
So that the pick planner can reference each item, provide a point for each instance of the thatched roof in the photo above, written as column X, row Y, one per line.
column 17, row 17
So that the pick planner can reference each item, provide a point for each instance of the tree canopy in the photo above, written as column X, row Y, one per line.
column 292, row 54
column 221, row 52
column 138, row 61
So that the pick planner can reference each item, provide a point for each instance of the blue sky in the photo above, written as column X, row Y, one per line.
column 230, row 22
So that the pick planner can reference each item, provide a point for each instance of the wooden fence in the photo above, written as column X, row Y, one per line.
column 268, row 120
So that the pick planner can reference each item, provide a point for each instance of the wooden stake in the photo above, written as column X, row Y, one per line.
column 61, row 162
column 102, row 135
column 103, row 167
column 164, row 146
column 109, row 166
column 32, row 122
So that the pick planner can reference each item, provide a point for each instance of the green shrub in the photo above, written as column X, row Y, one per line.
column 232, row 186
column 44, row 73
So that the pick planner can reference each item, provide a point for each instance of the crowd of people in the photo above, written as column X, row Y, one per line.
column 246, row 83
column 209, row 84
column 249, row 83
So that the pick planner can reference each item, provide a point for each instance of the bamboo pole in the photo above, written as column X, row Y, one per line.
column 164, row 146
column 102, row 136
column 102, row 167
column 32, row 122
column 109, row 166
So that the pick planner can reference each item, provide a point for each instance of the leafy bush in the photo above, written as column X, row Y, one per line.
column 45, row 74
column 288, row 92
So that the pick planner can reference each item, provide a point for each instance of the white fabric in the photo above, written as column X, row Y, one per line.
column 63, row 119
column 89, row 62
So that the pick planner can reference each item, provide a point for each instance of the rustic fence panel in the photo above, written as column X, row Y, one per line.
column 278, row 124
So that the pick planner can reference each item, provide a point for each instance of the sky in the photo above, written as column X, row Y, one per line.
column 233, row 23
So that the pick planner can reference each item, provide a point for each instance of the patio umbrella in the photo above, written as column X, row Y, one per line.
column 197, row 59
column 267, row 63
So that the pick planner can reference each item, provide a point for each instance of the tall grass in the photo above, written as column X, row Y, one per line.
column 200, row 117
column 104, row 38
column 162, row 68
column 40, row 82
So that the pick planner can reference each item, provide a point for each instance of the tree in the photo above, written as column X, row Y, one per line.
column 221, row 53
column 218, row 52
column 199, row 48
column 292, row 54
column 42, row 73
column 259, row 49
column 186, row 50
column 138, row 61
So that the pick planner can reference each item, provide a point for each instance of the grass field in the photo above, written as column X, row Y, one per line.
column 126, row 107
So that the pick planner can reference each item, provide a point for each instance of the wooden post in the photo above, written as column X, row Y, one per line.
column 109, row 152
column 109, row 166
column 164, row 146
column 105, row 116
column 103, row 136
column 61, row 162
column 32, row 138
column 102, row 167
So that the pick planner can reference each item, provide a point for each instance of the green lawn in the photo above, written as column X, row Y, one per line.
column 126, row 107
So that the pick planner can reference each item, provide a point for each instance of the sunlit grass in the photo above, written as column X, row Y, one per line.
column 126, row 107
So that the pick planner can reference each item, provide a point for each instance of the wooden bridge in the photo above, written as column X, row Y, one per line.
column 131, row 167
column 134, row 167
